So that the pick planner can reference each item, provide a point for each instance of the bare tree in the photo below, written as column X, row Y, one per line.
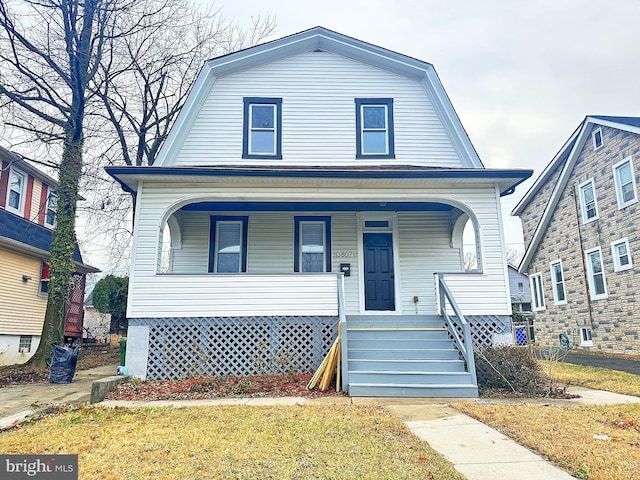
column 514, row 256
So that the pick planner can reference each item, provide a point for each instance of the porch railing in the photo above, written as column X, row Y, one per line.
column 456, row 324
column 342, row 329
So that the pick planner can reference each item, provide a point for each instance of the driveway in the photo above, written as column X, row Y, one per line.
column 621, row 364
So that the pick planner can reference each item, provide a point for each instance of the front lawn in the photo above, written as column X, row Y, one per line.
column 593, row 377
column 341, row 442
column 591, row 442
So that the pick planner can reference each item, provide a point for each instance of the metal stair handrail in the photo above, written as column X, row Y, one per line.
column 465, row 346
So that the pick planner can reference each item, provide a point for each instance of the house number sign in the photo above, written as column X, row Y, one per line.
column 344, row 254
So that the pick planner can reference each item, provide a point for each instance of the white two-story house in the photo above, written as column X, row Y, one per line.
column 310, row 184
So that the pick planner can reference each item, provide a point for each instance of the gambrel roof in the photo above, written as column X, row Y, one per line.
column 320, row 39
column 565, row 160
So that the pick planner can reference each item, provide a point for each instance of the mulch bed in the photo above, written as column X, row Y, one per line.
column 221, row 387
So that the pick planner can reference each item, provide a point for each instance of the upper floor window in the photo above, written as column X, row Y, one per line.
column 312, row 244
column 621, row 255
column 520, row 287
column 625, row 182
column 588, row 201
column 596, row 137
column 228, row 244
column 537, row 294
column 51, row 209
column 374, row 128
column 262, row 128
column 557, row 282
column 595, row 273
column 16, row 191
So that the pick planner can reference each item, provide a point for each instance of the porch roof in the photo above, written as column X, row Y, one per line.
column 505, row 179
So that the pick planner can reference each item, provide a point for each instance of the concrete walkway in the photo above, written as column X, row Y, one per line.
column 476, row 450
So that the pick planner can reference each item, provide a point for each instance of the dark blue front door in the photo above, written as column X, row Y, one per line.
column 378, row 272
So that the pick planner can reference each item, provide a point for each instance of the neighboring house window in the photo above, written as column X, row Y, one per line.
column 16, row 191
column 228, row 244
column 597, row 281
column 588, row 201
column 586, row 339
column 557, row 282
column 621, row 255
column 374, row 128
column 520, row 287
column 526, row 307
column 262, row 127
column 51, row 209
column 25, row 344
column 312, row 244
column 596, row 136
column 625, row 182
column 44, row 278
column 537, row 295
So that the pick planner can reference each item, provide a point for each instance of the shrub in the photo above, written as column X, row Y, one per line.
column 511, row 368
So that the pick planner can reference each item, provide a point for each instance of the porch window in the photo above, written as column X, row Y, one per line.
column 52, row 208
column 228, row 245
column 262, row 136
column 588, row 201
column 557, row 281
column 621, row 255
column 597, row 281
column 537, row 293
column 374, row 128
column 15, row 193
column 312, row 244
column 625, row 183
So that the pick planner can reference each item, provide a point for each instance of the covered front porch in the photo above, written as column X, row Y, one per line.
column 220, row 255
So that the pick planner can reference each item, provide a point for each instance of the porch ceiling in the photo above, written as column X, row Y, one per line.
column 401, row 176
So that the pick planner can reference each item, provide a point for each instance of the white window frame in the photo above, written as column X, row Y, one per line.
column 555, row 283
column 586, row 337
column 537, row 292
column 621, row 203
column 617, row 266
column 593, row 138
column 583, row 203
column 25, row 343
column 50, row 194
column 25, row 178
column 590, row 275
column 217, row 252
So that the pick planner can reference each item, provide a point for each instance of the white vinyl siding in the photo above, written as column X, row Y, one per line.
column 318, row 115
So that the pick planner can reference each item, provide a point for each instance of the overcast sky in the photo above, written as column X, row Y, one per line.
column 521, row 74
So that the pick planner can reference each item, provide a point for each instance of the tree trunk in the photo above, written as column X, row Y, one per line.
column 62, row 247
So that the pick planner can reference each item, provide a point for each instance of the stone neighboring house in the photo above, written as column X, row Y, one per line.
column 313, row 183
column 27, row 217
column 581, row 228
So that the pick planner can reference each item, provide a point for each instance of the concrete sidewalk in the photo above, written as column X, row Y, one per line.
column 476, row 450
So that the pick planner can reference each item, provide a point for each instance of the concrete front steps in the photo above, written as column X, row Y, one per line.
column 404, row 356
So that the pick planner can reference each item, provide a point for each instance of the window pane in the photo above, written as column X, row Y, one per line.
column 596, row 265
column 312, row 238
column 16, row 182
column 374, row 117
column 312, row 262
column 627, row 192
column 14, row 200
column 262, row 116
column 374, row 142
column 599, row 284
column 263, row 142
column 624, row 173
column 228, row 244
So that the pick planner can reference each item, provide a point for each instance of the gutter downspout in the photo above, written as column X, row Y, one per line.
column 573, row 193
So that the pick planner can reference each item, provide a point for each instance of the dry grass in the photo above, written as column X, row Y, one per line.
column 341, row 442
column 565, row 435
column 593, row 377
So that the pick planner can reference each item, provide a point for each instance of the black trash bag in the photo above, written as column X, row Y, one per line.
column 63, row 363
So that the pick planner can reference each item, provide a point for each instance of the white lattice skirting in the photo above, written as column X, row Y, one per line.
column 195, row 347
